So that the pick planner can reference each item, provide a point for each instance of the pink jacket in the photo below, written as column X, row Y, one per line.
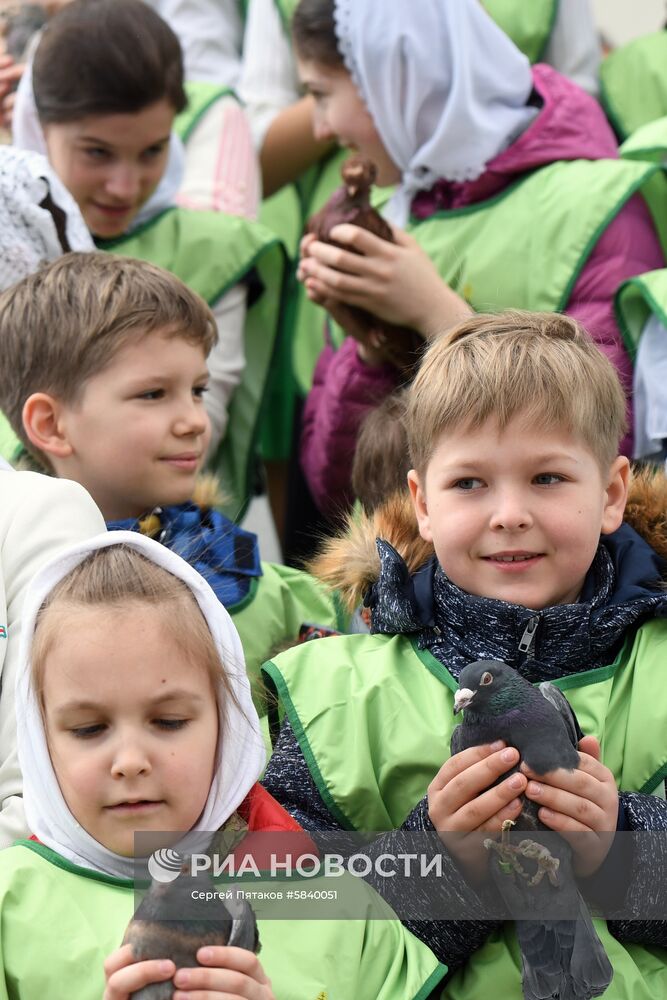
column 570, row 125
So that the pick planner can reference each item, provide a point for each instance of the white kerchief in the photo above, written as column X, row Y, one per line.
column 27, row 134
column 28, row 235
column 240, row 760
column 445, row 86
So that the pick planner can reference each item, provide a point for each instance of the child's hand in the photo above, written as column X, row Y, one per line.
column 576, row 802
column 124, row 975
column 462, row 799
column 396, row 281
column 232, row 972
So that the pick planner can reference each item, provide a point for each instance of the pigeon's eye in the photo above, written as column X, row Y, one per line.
column 487, row 678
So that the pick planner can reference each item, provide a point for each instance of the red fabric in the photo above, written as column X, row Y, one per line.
column 570, row 125
column 263, row 814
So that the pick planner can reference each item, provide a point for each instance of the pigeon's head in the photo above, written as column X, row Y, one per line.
column 479, row 685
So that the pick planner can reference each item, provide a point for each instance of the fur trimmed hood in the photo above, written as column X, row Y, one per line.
column 350, row 562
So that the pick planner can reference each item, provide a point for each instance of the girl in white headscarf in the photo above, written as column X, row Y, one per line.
column 135, row 717
column 473, row 139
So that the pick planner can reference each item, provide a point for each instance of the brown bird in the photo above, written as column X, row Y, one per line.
column 169, row 923
column 351, row 203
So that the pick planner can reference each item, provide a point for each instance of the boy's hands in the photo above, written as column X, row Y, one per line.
column 578, row 802
column 462, row 799
column 233, row 972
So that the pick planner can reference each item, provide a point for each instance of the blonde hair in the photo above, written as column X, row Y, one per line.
column 67, row 321
column 381, row 460
column 542, row 366
column 111, row 579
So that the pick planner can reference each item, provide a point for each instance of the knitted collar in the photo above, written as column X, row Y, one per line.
column 458, row 628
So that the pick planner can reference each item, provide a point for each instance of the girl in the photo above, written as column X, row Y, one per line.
column 492, row 165
column 107, row 130
column 135, row 715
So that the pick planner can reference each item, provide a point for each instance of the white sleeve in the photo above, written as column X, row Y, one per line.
column 269, row 80
column 574, row 48
column 38, row 517
column 221, row 169
column 226, row 361
column 211, row 36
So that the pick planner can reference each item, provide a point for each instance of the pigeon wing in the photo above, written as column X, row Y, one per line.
column 564, row 709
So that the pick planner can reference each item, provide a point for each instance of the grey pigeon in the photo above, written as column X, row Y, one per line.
column 562, row 957
column 169, row 923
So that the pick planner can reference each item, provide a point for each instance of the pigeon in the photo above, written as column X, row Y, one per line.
column 562, row 956
column 169, row 923
column 351, row 203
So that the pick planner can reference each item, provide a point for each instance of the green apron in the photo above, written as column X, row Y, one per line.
column 346, row 694
column 10, row 446
column 60, row 922
column 211, row 252
column 635, row 300
column 529, row 25
column 649, row 143
column 633, row 83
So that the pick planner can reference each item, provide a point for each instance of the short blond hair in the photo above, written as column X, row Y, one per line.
column 543, row 366
column 66, row 322
column 112, row 579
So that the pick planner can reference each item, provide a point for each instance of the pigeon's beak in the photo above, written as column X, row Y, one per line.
column 462, row 699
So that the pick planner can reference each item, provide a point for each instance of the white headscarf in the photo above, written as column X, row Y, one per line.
column 445, row 86
column 240, row 760
column 27, row 133
column 28, row 235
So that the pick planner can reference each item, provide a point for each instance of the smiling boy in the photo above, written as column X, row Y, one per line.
column 107, row 371
column 517, row 552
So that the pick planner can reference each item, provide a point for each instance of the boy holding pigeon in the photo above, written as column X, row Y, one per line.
column 520, row 545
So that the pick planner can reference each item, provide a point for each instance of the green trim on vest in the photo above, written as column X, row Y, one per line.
column 633, row 83
column 68, row 866
column 635, row 300
column 211, row 252
column 649, row 142
column 529, row 25
column 364, row 680
column 201, row 96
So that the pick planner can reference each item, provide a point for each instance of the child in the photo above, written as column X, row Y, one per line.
column 513, row 424
column 106, row 127
column 474, row 141
column 135, row 716
column 114, row 400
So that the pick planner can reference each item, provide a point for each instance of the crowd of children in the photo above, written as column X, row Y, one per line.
column 165, row 355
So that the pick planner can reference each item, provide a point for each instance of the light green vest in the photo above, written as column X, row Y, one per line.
column 374, row 716
column 211, row 252
column 633, row 83
column 60, row 922
column 529, row 25
column 277, row 605
column 201, row 96
column 635, row 300
column 649, row 143
column 10, row 446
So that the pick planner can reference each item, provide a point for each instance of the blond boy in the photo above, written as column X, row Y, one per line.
column 514, row 548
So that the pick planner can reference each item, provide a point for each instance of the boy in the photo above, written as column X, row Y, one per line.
column 518, row 553
column 107, row 362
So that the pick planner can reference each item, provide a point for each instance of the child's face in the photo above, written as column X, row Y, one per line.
column 111, row 164
column 517, row 514
column 341, row 114
column 131, row 725
column 138, row 436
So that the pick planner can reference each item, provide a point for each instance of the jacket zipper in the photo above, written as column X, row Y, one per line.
column 527, row 640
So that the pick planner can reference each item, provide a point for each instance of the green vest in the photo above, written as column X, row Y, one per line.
column 529, row 25
column 635, row 300
column 633, row 83
column 201, row 96
column 211, row 252
column 346, row 694
column 278, row 604
column 10, row 446
column 649, row 143
column 73, row 919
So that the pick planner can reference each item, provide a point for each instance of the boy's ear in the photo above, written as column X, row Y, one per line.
column 419, row 503
column 616, row 495
column 44, row 426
